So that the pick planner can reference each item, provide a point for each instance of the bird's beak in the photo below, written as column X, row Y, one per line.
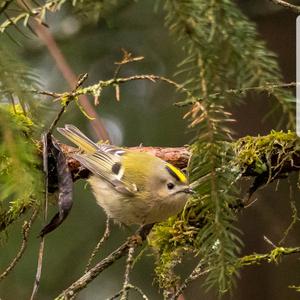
column 188, row 191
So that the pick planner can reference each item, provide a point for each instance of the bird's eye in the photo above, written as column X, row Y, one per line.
column 170, row 185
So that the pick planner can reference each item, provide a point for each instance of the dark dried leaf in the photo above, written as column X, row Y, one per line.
column 65, row 189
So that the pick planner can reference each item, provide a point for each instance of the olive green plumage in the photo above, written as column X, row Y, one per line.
column 132, row 187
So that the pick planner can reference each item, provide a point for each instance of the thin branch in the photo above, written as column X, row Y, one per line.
column 105, row 236
column 272, row 256
column 154, row 78
column 92, row 89
column 268, row 241
column 294, row 215
column 58, row 116
column 253, row 259
column 179, row 156
column 128, row 287
column 25, row 13
column 134, row 241
column 129, row 262
column 25, row 231
column 196, row 273
column 42, row 242
column 268, row 87
column 39, row 269
column 80, row 81
column 287, row 5
column 96, row 89
column 127, row 58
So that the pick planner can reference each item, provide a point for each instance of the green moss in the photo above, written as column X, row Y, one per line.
column 164, row 269
column 17, row 116
column 296, row 288
column 169, row 240
column 20, row 175
column 256, row 152
column 184, row 233
column 273, row 257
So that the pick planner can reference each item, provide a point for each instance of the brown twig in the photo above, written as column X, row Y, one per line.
column 42, row 242
column 39, row 269
column 248, row 260
column 129, row 262
column 287, row 5
column 268, row 87
column 100, row 243
column 25, row 231
column 272, row 256
column 134, row 241
column 196, row 273
column 178, row 156
column 63, row 108
column 46, row 175
column 58, row 116
column 112, row 82
column 129, row 287
column 97, row 88
column 127, row 58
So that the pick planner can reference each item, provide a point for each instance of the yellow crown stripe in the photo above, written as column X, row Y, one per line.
column 178, row 174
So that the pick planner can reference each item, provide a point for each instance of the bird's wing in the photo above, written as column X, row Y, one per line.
column 107, row 165
column 101, row 159
column 111, row 149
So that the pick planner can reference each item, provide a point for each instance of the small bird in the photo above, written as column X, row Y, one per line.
column 132, row 187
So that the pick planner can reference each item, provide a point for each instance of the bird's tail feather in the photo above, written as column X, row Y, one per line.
column 78, row 138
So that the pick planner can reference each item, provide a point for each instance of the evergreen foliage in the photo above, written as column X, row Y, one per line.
column 23, row 12
column 223, row 51
column 20, row 177
column 17, row 82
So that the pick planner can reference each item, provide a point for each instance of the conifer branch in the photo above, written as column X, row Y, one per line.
column 254, row 259
column 284, row 158
column 180, row 156
column 273, row 256
column 287, row 5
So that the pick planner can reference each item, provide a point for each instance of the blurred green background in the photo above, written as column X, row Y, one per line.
column 146, row 115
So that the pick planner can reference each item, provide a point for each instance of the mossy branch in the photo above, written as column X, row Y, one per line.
column 272, row 155
column 273, row 256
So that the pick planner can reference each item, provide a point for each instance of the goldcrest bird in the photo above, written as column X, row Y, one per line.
column 131, row 187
